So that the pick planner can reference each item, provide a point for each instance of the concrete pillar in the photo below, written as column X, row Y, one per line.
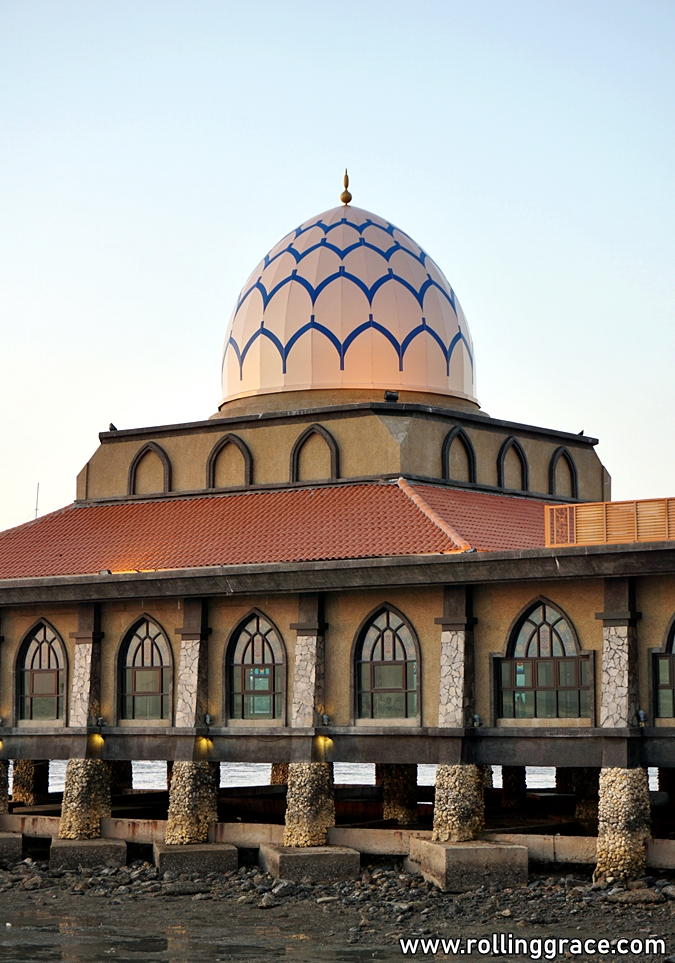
column 399, row 791
column 192, row 681
column 85, row 695
column 307, row 706
column 4, row 786
column 586, row 790
column 121, row 776
column 169, row 773
column 86, row 799
column 513, row 787
column 279, row 774
column 459, row 811
column 623, row 824
column 310, row 805
column 487, row 777
column 30, row 783
column 193, row 801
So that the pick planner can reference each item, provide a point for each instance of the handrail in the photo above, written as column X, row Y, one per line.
column 610, row 523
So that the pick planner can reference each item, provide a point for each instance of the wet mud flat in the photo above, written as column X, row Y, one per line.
column 134, row 915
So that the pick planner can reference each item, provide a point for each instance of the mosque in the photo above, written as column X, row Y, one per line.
column 348, row 562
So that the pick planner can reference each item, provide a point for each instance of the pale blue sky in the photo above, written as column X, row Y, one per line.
column 152, row 152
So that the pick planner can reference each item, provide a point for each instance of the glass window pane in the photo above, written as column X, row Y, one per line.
column 664, row 671
column 236, row 707
column 24, row 708
column 568, row 704
column 506, row 674
column 365, row 675
column 545, row 640
column 537, row 616
column 665, row 703
column 146, row 680
column 524, row 705
column 236, row 679
column 546, row 703
column 388, row 705
column 522, row 640
column 533, row 649
column 364, row 705
column 387, row 676
column 412, row 675
column 585, row 666
column 44, row 708
column 261, row 706
column 557, row 648
column 566, row 669
column 277, row 679
column 128, row 711
column 154, row 707
column 585, row 703
column 507, row 705
column 277, row 706
column 25, row 683
column 44, row 683
column 412, row 704
column 545, row 674
column 567, row 638
column 523, row 674
column 129, row 681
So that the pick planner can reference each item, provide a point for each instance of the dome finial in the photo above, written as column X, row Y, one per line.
column 346, row 197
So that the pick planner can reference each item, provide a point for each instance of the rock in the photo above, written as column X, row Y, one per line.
column 668, row 891
column 637, row 896
column 268, row 901
column 283, row 887
column 327, row 899
column 184, row 889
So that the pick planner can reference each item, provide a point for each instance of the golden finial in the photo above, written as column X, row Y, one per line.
column 346, row 197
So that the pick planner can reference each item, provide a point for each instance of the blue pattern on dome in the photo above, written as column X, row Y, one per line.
column 342, row 346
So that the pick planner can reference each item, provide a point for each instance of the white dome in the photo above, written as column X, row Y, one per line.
column 347, row 300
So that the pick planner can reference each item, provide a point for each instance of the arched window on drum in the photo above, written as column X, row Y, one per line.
column 544, row 677
column 146, row 673
column 42, row 675
column 256, row 671
column 387, row 669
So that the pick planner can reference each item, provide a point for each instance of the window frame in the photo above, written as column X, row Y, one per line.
column 165, row 669
column 60, row 673
column 356, row 663
column 232, row 669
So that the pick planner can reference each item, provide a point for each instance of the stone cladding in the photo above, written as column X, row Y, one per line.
column 279, row 774
column 310, row 804
column 399, row 791
column 487, row 777
column 191, row 687
column 459, row 810
column 86, row 799
column 623, row 824
column 620, row 701
column 4, row 786
column 193, row 801
column 308, row 681
column 31, row 781
column 456, row 696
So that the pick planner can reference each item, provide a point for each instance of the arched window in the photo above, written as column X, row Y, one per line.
column 256, row 671
column 42, row 675
column 544, row 676
column 315, row 456
column 386, row 669
column 458, row 457
column 512, row 468
column 146, row 675
column 664, row 672
column 562, row 474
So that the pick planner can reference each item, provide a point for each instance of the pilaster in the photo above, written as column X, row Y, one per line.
column 309, row 665
column 619, row 702
column 457, row 685
column 192, row 691
column 85, row 696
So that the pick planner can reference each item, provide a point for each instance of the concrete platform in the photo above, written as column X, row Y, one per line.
column 71, row 853
column 11, row 846
column 459, row 867
column 317, row 863
column 196, row 857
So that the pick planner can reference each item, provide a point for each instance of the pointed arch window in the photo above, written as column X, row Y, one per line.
column 42, row 675
column 664, row 681
column 387, row 669
column 256, row 671
column 544, row 676
column 146, row 675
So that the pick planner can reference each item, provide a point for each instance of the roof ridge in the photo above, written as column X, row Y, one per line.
column 432, row 515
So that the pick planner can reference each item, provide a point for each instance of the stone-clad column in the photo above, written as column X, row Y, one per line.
column 85, row 696
column 623, row 811
column 86, row 799
column 459, row 807
column 4, row 786
column 623, row 824
column 30, row 781
column 399, row 791
column 191, row 690
column 310, row 806
column 193, row 801
column 279, row 774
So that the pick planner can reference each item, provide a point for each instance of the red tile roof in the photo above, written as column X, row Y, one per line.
column 289, row 525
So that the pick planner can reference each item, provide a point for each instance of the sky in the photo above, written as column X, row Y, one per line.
column 152, row 152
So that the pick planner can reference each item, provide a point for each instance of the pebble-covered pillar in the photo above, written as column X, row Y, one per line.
column 192, row 683
column 4, row 786
column 30, row 782
column 279, row 774
column 310, row 806
column 85, row 694
column 487, row 777
column 121, row 775
column 86, row 799
column 459, row 812
column 514, row 787
column 623, row 824
column 193, row 801
column 399, row 791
